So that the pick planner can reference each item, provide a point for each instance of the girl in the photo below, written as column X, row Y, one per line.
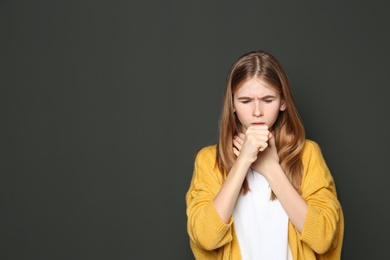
column 263, row 191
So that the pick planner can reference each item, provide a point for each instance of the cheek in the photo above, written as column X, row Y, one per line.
column 242, row 116
column 238, row 115
column 274, row 115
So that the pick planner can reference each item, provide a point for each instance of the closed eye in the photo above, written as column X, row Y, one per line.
column 245, row 100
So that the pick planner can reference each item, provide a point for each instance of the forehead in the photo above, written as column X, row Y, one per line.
column 255, row 87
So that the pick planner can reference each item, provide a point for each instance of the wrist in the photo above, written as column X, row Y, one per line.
column 242, row 162
column 273, row 170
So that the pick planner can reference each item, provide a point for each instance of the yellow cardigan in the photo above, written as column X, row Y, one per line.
column 323, row 231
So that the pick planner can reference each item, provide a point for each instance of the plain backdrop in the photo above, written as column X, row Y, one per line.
column 104, row 104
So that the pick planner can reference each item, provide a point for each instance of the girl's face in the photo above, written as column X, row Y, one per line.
column 257, row 104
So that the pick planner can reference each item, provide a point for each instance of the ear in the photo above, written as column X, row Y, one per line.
column 282, row 105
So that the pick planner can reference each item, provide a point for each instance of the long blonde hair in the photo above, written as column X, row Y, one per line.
column 288, row 128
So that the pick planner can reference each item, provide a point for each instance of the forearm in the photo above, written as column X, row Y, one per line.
column 226, row 198
column 294, row 205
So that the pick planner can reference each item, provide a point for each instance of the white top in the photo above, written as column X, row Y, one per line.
column 261, row 224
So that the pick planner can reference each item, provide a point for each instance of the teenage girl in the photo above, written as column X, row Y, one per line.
column 263, row 191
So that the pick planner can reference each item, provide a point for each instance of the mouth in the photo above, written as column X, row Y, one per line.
column 258, row 123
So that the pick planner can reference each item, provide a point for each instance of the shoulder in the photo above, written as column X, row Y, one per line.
column 312, row 157
column 206, row 170
column 310, row 149
column 310, row 145
column 314, row 164
column 207, row 153
column 208, row 149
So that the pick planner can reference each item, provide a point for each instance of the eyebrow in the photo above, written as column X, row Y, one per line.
column 250, row 98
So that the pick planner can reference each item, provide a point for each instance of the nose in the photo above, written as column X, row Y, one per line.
column 257, row 110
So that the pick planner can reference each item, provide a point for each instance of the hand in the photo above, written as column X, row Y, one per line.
column 264, row 159
column 248, row 145
column 268, row 159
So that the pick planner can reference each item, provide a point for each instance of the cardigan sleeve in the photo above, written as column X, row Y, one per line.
column 324, row 219
column 204, row 226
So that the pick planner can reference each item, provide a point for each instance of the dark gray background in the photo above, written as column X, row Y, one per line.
column 104, row 104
